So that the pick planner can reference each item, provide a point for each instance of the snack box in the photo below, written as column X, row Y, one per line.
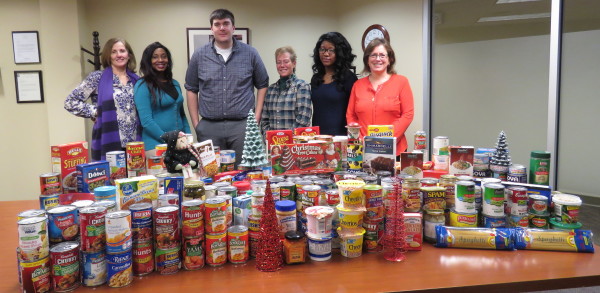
column 379, row 154
column 279, row 137
column 65, row 158
column 354, row 153
column 136, row 190
column 380, row 130
column 307, row 131
column 306, row 158
column 413, row 229
column 412, row 164
column 461, row 160
column 92, row 175
column 208, row 157
column 174, row 185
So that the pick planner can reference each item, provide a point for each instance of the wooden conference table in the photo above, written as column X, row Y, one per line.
column 435, row 269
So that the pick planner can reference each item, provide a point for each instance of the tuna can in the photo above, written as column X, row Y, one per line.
column 227, row 190
column 166, row 227
column 110, row 205
column 457, row 219
column 92, row 228
column 517, row 221
column 215, row 215
column 374, row 202
column 167, row 261
column 192, row 219
column 517, row 173
column 227, row 156
column 143, row 258
column 373, row 235
column 105, row 193
column 537, row 204
column 539, row 221
column 169, row 199
column 118, row 232
column 63, row 224
column 50, row 184
column 493, row 200
column 216, row 249
column 36, row 276
column 238, row 244
column 93, row 265
column 465, row 197
column 141, row 221
column 494, row 222
column 31, row 214
column 517, row 200
column 193, row 254
column 65, row 266
column 118, row 268
column 48, row 201
column 33, row 239
column 287, row 191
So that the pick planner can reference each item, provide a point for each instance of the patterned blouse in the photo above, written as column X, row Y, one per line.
column 124, row 103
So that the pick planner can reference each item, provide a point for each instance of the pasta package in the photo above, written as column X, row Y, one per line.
column 555, row 240
column 411, row 164
column 477, row 238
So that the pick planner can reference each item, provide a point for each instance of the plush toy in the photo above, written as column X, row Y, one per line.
column 180, row 156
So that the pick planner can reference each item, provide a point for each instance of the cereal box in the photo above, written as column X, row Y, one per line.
column 279, row 137
column 306, row 158
column 461, row 160
column 413, row 225
column 92, row 175
column 379, row 154
column 411, row 164
column 65, row 158
column 307, row 131
column 355, row 157
column 208, row 157
column 380, row 130
column 136, row 190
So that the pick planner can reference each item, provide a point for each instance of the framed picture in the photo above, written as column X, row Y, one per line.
column 29, row 86
column 26, row 47
column 198, row 37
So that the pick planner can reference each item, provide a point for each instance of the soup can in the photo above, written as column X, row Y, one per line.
column 92, row 228
column 63, row 224
column 464, row 196
column 192, row 219
column 93, row 266
column 141, row 221
column 136, row 159
column 110, row 205
column 517, row 200
column 238, row 244
column 65, row 266
column 36, row 276
column 119, row 269
column 84, row 203
column 193, row 254
column 31, row 214
column 168, row 261
column 229, row 204
column 48, row 201
column 216, row 249
column 143, row 258
column 493, row 200
column 166, row 227
column 50, row 183
column 33, row 239
column 457, row 219
column 118, row 232
column 215, row 215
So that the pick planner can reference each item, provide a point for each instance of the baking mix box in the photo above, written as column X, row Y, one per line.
column 307, row 131
column 65, row 158
column 379, row 154
column 380, row 130
column 413, row 229
column 279, row 137
column 306, row 158
column 411, row 164
column 461, row 160
column 92, row 175
column 136, row 190
column 208, row 157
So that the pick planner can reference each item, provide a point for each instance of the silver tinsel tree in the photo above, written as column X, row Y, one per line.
column 254, row 154
column 500, row 160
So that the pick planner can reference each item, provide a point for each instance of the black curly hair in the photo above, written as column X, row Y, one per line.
column 343, row 60
column 151, row 76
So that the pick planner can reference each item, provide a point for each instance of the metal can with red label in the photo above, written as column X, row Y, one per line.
column 36, row 276
column 167, row 261
column 118, row 268
column 141, row 221
column 33, row 239
column 253, row 238
column 136, row 159
column 63, row 224
column 118, row 232
column 193, row 254
column 169, row 199
column 238, row 244
column 65, row 266
column 166, row 227
column 216, row 249
column 215, row 215
column 50, row 183
column 192, row 219
column 92, row 228
column 117, row 162
column 143, row 258
column 374, row 202
column 373, row 235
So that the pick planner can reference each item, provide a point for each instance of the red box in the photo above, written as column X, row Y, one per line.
column 65, row 158
column 411, row 164
column 461, row 160
column 307, row 131
column 306, row 158
column 279, row 137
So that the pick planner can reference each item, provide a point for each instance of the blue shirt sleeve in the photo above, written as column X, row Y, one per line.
column 143, row 103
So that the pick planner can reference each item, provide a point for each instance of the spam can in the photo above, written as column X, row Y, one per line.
column 119, row 269
column 93, row 266
column 63, row 224
column 457, row 219
column 48, row 201
column 65, row 266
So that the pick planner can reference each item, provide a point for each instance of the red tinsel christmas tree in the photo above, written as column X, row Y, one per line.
column 269, row 257
column 394, row 238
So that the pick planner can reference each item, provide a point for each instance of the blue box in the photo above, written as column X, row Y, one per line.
column 92, row 175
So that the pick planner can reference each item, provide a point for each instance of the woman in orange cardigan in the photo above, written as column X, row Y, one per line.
column 383, row 97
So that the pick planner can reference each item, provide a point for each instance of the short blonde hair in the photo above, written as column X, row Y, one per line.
column 286, row 49
column 107, row 49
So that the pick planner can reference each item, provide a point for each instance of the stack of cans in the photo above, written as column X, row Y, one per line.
column 119, row 244
column 167, row 239
column 143, row 246
column 192, row 234
column 33, row 252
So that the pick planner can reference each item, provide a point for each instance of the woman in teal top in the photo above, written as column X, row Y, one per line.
column 158, row 97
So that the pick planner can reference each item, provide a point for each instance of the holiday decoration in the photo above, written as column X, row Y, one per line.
column 254, row 154
column 269, row 256
column 180, row 156
column 394, row 238
column 500, row 160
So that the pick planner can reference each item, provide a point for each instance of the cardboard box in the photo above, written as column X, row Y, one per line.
column 411, row 164
column 306, row 158
column 307, row 131
column 279, row 137
column 379, row 154
column 92, row 175
column 380, row 130
column 136, row 190
column 461, row 160
column 354, row 157
column 208, row 157
column 65, row 158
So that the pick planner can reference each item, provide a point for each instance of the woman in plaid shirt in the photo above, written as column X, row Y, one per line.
column 287, row 103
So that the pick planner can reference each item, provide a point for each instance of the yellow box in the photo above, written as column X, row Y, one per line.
column 381, row 130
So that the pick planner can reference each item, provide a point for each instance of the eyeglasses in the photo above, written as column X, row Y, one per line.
column 323, row 51
column 380, row 56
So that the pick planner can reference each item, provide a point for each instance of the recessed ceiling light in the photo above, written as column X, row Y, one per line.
column 514, row 17
column 514, row 1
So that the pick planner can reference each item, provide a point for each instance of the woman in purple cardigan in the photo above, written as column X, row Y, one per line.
column 112, row 107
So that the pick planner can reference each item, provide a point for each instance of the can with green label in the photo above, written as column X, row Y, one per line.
column 539, row 168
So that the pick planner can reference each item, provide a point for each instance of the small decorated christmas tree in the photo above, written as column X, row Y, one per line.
column 269, row 256
column 254, row 154
column 500, row 160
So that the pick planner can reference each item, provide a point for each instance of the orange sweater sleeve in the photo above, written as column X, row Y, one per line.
column 351, row 116
column 407, row 110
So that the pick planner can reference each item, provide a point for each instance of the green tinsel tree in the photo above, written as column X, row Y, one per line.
column 254, row 154
column 500, row 160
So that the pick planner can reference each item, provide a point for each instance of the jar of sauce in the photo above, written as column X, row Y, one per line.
column 294, row 247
